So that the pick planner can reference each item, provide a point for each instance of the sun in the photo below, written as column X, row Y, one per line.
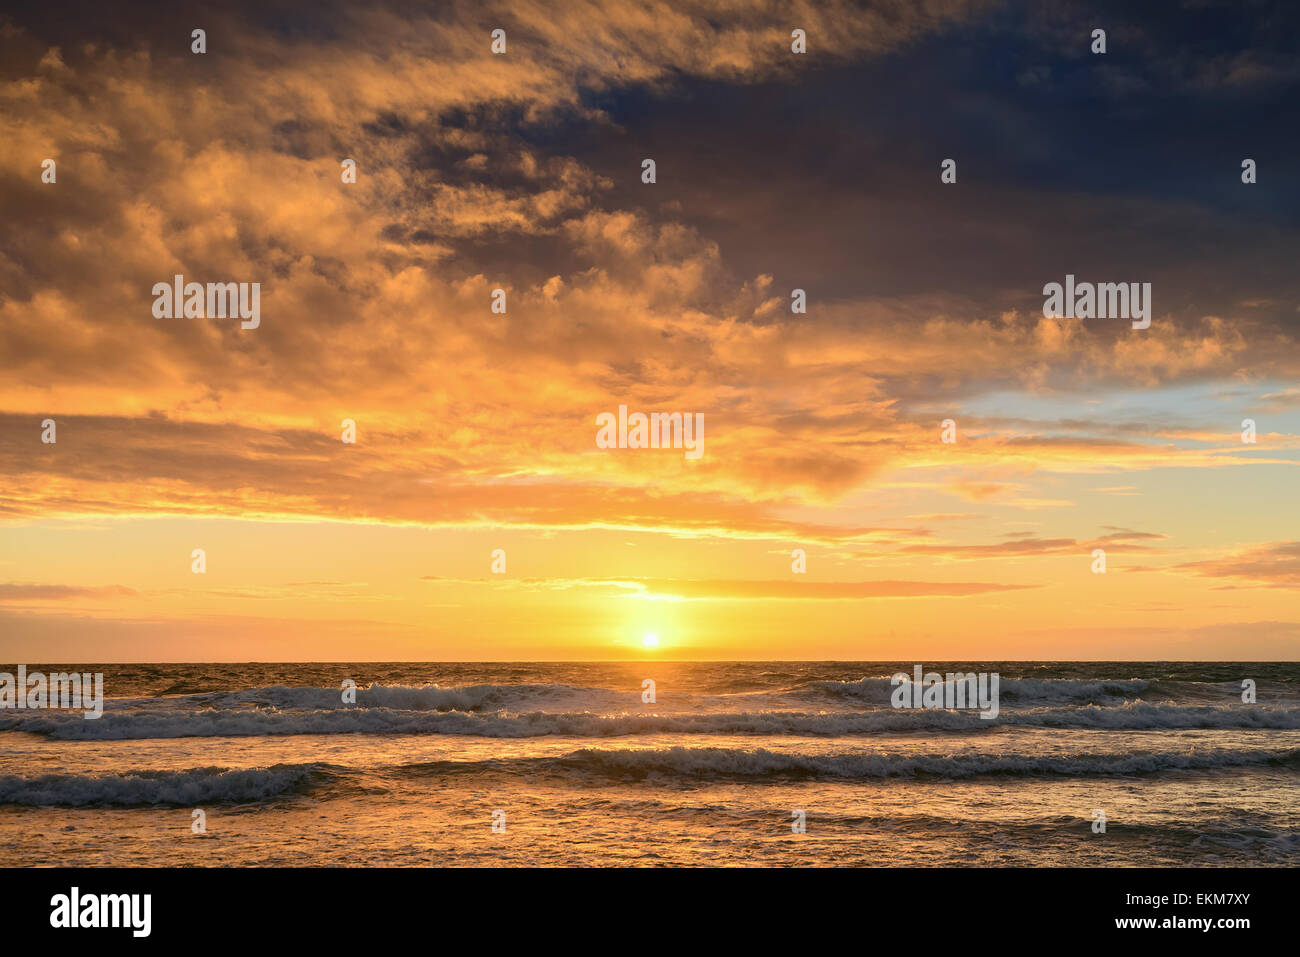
column 650, row 641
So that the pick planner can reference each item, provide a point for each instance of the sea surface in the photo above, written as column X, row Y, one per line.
column 576, row 769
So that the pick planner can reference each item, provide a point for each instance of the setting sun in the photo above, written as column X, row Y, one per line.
column 650, row 641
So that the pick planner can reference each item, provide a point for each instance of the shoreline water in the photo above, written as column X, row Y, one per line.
column 713, row 771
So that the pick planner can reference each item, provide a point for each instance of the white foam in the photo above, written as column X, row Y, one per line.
column 212, row 722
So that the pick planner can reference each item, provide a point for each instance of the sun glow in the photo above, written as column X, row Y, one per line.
column 650, row 641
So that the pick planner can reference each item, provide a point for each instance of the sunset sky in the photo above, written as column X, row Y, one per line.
column 476, row 431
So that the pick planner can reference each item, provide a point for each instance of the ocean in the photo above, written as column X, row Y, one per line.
column 459, row 764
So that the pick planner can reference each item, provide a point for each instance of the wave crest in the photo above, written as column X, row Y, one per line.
column 211, row 723
column 210, row 785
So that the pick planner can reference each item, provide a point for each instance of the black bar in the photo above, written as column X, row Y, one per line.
column 340, row 905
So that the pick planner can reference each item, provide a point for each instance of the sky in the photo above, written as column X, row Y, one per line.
column 476, row 430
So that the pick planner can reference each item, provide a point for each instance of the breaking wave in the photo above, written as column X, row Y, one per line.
column 190, row 787
column 250, row 722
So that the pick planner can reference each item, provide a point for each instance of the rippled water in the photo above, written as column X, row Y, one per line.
column 711, row 772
